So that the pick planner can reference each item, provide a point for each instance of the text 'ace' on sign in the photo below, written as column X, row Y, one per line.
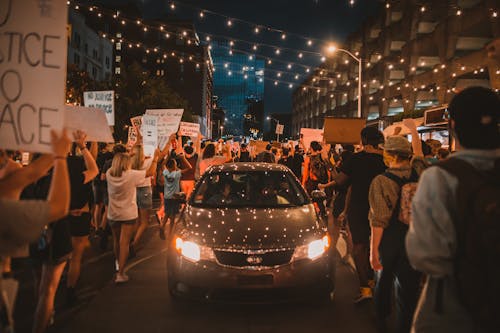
column 33, row 51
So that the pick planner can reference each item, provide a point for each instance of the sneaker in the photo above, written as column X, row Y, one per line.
column 121, row 278
column 117, row 266
column 365, row 294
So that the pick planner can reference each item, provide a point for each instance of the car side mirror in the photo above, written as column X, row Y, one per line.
column 318, row 196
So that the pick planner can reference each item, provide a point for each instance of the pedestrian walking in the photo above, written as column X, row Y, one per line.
column 389, row 196
column 454, row 234
column 82, row 170
column 122, row 211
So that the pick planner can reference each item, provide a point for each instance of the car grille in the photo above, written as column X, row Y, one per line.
column 259, row 259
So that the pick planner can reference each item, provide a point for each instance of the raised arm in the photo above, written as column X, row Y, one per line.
column 415, row 138
column 59, row 192
column 186, row 165
column 152, row 168
column 92, row 169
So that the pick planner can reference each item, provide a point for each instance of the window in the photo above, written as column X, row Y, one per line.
column 107, row 62
column 76, row 59
column 117, row 70
column 94, row 72
column 119, row 46
column 86, row 66
column 118, row 58
column 76, row 40
column 86, row 48
column 94, row 54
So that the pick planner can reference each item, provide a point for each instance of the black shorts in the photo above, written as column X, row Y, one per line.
column 172, row 207
column 79, row 226
column 54, row 246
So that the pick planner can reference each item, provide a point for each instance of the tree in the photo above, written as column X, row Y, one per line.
column 78, row 81
column 138, row 91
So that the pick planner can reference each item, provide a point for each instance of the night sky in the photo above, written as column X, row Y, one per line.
column 328, row 20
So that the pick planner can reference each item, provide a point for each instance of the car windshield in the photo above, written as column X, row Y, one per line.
column 266, row 189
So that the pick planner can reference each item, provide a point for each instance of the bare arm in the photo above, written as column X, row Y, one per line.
column 152, row 168
column 186, row 164
column 376, row 237
column 12, row 185
column 88, row 156
column 415, row 141
column 59, row 193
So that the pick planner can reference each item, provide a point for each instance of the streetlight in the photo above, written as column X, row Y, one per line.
column 221, row 131
column 331, row 50
column 277, row 124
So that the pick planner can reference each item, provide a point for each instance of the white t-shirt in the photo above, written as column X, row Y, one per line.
column 145, row 166
column 216, row 160
column 122, row 194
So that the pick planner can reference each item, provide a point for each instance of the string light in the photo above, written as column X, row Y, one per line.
column 229, row 23
column 422, row 9
column 202, row 15
column 256, row 30
column 172, row 5
column 459, row 12
column 283, row 36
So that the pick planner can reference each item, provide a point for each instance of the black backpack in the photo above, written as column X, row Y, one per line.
column 477, row 227
column 318, row 168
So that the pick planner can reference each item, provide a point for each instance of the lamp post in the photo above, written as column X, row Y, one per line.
column 332, row 49
column 277, row 123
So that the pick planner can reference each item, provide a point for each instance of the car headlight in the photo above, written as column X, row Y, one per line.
column 313, row 250
column 192, row 251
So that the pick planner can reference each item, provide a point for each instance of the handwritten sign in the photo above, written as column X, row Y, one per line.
column 132, row 137
column 149, row 134
column 189, row 129
column 33, row 44
column 90, row 120
column 279, row 129
column 136, row 122
column 104, row 100
column 168, row 123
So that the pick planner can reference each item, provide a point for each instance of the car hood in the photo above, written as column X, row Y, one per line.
column 250, row 228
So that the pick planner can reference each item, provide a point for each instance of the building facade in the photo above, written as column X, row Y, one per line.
column 239, row 87
column 87, row 49
column 415, row 54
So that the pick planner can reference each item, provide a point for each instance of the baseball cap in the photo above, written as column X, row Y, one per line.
column 397, row 144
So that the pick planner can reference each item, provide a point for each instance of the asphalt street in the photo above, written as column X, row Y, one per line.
column 144, row 305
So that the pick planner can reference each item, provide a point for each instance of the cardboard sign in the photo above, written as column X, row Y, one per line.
column 33, row 44
column 310, row 134
column 256, row 146
column 279, row 129
column 104, row 100
column 189, row 129
column 149, row 134
column 136, row 122
column 132, row 137
column 344, row 130
column 168, row 123
column 90, row 120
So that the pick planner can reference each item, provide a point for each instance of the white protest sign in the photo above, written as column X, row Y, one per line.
column 279, row 129
column 104, row 100
column 33, row 44
column 90, row 120
column 189, row 129
column 149, row 134
column 168, row 123
column 311, row 134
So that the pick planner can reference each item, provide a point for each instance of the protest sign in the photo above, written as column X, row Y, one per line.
column 33, row 44
column 189, row 129
column 256, row 146
column 343, row 130
column 310, row 134
column 104, row 100
column 132, row 137
column 149, row 134
column 90, row 120
column 168, row 123
column 279, row 129
column 136, row 122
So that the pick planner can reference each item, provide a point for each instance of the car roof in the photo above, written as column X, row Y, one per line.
column 247, row 166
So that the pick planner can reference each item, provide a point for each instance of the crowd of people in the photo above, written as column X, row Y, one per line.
column 404, row 210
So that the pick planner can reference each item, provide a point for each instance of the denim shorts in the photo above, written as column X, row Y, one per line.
column 144, row 197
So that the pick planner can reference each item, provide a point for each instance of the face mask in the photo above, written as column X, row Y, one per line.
column 388, row 159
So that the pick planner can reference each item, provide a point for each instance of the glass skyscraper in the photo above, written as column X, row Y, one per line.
column 238, row 82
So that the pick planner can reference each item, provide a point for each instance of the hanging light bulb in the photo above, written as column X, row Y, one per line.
column 256, row 30
column 254, row 47
column 275, row 83
column 207, row 38
column 300, row 55
column 289, row 66
column 290, row 86
column 459, row 12
column 309, row 42
column 202, row 15
column 229, row 22
column 277, row 51
column 422, row 9
column 269, row 61
column 172, row 5
column 283, row 36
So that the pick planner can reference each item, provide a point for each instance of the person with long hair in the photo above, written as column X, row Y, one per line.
column 122, row 210
column 144, row 194
column 209, row 158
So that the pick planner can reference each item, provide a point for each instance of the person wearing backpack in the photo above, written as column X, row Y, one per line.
column 315, row 168
column 455, row 232
column 389, row 215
